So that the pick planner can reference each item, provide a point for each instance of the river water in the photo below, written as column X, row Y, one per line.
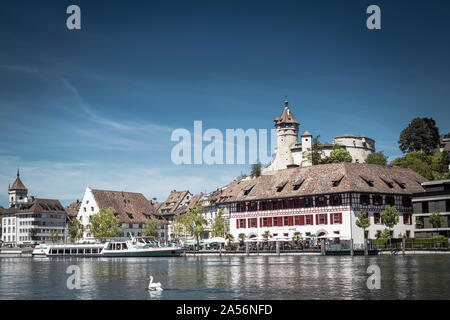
column 236, row 277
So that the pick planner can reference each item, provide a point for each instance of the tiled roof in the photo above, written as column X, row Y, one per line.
column 321, row 179
column 73, row 208
column 18, row 185
column 130, row 206
column 286, row 116
column 35, row 205
column 172, row 203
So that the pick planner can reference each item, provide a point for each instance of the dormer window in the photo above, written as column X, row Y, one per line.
column 298, row 184
column 337, row 182
column 281, row 186
column 390, row 184
column 367, row 180
column 401, row 184
column 129, row 215
column 248, row 189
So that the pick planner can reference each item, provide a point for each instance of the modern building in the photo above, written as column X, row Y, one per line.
column 32, row 220
column 321, row 200
column 436, row 198
column 292, row 152
column 133, row 210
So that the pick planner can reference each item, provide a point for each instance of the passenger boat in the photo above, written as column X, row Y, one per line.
column 133, row 247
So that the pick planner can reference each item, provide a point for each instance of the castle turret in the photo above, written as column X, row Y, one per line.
column 287, row 136
column 18, row 193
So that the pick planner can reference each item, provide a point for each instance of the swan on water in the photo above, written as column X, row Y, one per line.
column 154, row 286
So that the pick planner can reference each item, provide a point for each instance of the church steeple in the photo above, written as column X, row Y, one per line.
column 17, row 192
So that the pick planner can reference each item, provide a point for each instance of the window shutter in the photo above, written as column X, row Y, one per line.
column 237, row 223
column 269, row 221
column 331, row 218
column 326, row 218
column 340, row 217
column 291, row 220
column 317, row 219
column 302, row 220
column 260, row 222
column 280, row 221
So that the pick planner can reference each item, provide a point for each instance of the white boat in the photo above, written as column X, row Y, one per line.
column 133, row 247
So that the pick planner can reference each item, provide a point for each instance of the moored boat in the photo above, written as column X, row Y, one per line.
column 133, row 247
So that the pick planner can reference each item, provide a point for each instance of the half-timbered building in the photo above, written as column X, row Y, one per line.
column 321, row 200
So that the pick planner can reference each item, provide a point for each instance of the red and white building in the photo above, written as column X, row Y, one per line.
column 321, row 200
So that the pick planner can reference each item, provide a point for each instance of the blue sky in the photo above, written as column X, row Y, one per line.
column 96, row 107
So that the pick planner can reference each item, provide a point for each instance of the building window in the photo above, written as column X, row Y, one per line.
column 321, row 218
column 286, row 221
column 407, row 218
column 308, row 219
column 377, row 218
column 240, row 223
column 308, row 202
column 425, row 207
column 336, row 200
column 336, row 218
column 92, row 208
column 84, row 208
column 252, row 223
column 377, row 200
column 406, row 201
column 297, row 220
column 321, row 201
column 390, row 200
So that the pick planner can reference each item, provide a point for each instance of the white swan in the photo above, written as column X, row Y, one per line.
column 154, row 286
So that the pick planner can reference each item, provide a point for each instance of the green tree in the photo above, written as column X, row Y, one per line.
column 256, row 170
column 76, row 230
column 266, row 235
column 385, row 234
column 315, row 155
column 105, row 224
column 418, row 136
column 194, row 222
column 431, row 166
column 389, row 217
column 297, row 236
column 220, row 225
column 339, row 154
column 241, row 237
column 436, row 220
column 32, row 233
column 363, row 221
column 54, row 235
column 152, row 227
column 376, row 158
column 177, row 227
column 229, row 237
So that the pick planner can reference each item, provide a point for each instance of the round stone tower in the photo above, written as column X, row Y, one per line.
column 287, row 136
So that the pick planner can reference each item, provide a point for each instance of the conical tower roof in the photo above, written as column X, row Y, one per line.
column 286, row 116
column 18, row 184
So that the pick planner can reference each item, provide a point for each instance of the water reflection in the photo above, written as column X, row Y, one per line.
column 237, row 277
